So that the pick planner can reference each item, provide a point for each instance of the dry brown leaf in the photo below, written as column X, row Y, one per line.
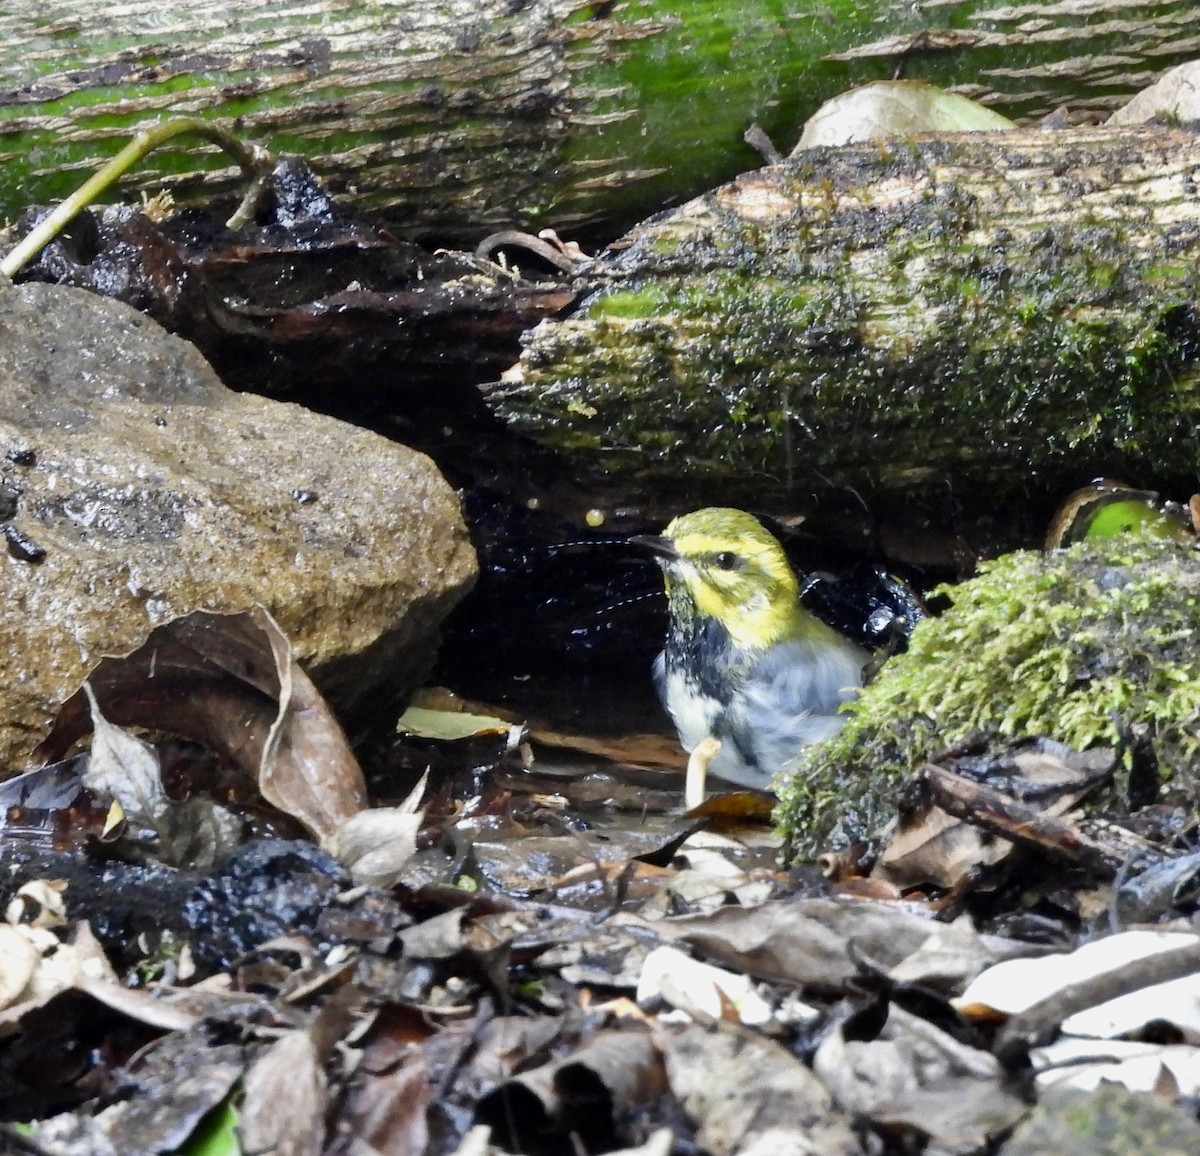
column 283, row 1112
column 307, row 768
column 811, row 941
column 1174, row 97
column 179, row 1080
column 385, row 1104
column 735, row 807
column 439, row 937
column 659, row 1143
column 918, row 1077
column 954, row 954
column 931, row 846
column 18, row 960
column 625, row 1065
column 386, row 1109
column 476, row 1142
column 658, row 750
column 136, row 1005
column 72, row 1132
column 124, row 768
column 375, row 844
column 746, row 1094
column 58, row 966
column 936, row 848
column 230, row 682
column 895, row 108
column 703, row 991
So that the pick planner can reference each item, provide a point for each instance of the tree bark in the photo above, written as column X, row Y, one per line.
column 984, row 316
column 450, row 118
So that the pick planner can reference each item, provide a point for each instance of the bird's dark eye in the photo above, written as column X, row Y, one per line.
column 727, row 560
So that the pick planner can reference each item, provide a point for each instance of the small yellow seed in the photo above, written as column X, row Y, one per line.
column 595, row 518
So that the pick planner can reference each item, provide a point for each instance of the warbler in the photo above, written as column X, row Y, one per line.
column 744, row 661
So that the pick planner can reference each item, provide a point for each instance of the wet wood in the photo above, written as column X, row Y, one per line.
column 1029, row 825
column 892, row 322
column 455, row 117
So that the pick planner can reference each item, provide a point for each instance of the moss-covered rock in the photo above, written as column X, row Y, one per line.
column 1085, row 645
column 1110, row 1121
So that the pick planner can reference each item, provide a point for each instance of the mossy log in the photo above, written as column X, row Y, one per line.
column 452, row 117
column 968, row 315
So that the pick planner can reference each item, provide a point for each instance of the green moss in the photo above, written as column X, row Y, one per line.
column 1166, row 272
column 1078, row 645
column 1080, row 1120
column 1103, row 275
column 665, row 245
column 630, row 304
column 655, row 376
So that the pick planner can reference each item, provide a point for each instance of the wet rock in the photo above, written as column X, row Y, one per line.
column 142, row 489
column 122, row 902
column 267, row 889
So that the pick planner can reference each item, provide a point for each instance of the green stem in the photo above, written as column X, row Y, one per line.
column 255, row 163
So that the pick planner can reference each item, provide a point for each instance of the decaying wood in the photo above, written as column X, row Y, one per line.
column 454, row 117
column 1028, row 825
column 975, row 316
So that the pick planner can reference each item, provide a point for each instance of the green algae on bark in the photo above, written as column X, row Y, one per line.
column 1085, row 645
column 449, row 118
column 900, row 319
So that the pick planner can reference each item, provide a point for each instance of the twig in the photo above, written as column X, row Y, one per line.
column 762, row 144
column 535, row 245
column 1038, row 1024
column 1020, row 822
column 255, row 163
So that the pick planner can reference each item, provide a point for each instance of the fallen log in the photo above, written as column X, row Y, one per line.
column 451, row 118
column 979, row 316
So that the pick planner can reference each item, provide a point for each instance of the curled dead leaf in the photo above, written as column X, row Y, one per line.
column 231, row 683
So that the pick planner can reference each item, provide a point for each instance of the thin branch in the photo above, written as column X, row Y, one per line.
column 1039, row 1023
column 255, row 163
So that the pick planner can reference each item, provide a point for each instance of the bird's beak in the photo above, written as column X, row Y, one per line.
column 660, row 547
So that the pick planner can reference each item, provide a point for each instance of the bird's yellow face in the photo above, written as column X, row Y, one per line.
column 721, row 563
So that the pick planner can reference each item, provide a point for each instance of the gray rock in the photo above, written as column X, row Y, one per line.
column 155, row 491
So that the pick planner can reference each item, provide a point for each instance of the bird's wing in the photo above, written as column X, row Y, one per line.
column 791, row 699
